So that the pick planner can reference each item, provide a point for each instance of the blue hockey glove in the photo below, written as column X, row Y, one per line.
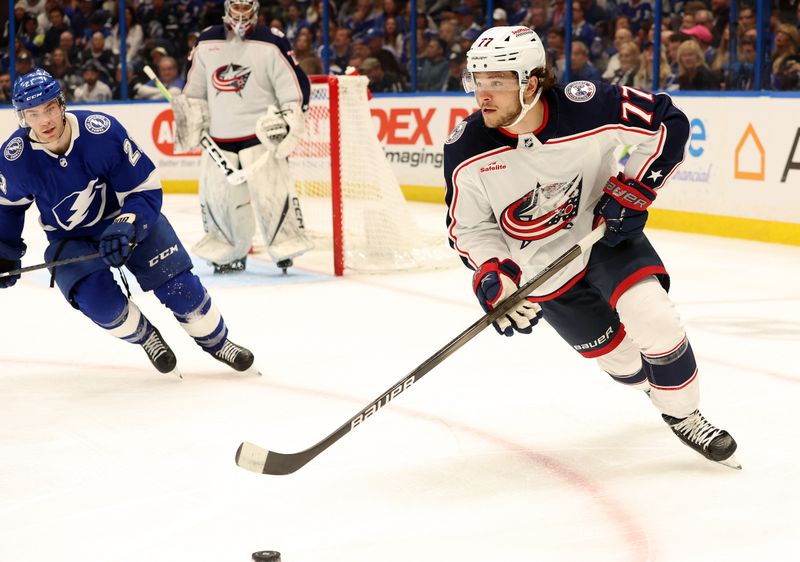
column 116, row 242
column 10, row 259
column 623, row 206
column 494, row 282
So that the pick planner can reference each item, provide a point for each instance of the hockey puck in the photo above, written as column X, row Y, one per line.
column 267, row 556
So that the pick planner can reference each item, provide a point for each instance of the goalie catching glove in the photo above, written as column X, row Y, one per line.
column 281, row 130
column 494, row 282
column 623, row 207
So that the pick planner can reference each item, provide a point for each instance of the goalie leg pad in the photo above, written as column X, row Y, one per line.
column 227, row 215
column 275, row 203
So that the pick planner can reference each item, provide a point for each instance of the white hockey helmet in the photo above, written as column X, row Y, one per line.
column 243, row 18
column 506, row 48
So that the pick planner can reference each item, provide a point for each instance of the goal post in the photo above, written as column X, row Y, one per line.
column 349, row 195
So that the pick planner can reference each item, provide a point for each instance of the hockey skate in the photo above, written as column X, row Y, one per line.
column 160, row 354
column 231, row 267
column 285, row 264
column 713, row 443
column 236, row 357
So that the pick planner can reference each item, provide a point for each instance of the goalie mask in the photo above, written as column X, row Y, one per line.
column 241, row 16
column 505, row 48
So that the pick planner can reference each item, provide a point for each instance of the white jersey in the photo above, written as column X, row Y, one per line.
column 531, row 197
column 241, row 78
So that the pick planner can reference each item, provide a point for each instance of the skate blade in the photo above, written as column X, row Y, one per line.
column 175, row 373
column 253, row 370
column 731, row 462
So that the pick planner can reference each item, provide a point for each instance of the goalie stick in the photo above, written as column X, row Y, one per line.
column 257, row 459
column 234, row 177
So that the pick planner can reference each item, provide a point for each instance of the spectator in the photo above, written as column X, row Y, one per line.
column 499, row 17
column 97, row 23
column 342, row 48
column 621, row 36
column 34, row 7
column 79, row 19
column 58, row 25
column 742, row 74
column 380, row 80
column 537, row 20
column 673, row 42
column 457, row 62
column 433, row 67
column 581, row 29
column 5, row 88
column 294, row 22
column 448, row 32
column 60, row 67
column 466, row 19
column 168, row 73
column 31, row 36
column 785, row 59
column 92, row 89
column 374, row 41
column 467, row 38
column 24, row 63
column 581, row 68
column 644, row 77
column 556, row 49
column 363, row 18
column 694, row 74
column 134, row 38
column 66, row 42
column 393, row 38
column 637, row 11
column 629, row 60
column 703, row 37
column 593, row 12
column 706, row 19
column 747, row 20
column 96, row 51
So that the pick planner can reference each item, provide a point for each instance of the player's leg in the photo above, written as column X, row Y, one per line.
column 654, row 324
column 276, row 206
column 90, row 287
column 583, row 318
column 162, row 265
column 227, row 218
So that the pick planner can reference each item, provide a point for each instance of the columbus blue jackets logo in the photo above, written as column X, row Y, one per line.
column 14, row 149
column 97, row 124
column 456, row 133
column 543, row 211
column 580, row 91
column 230, row 78
column 82, row 208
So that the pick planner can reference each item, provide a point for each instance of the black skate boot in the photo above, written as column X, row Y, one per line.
column 234, row 356
column 285, row 264
column 231, row 267
column 160, row 354
column 713, row 443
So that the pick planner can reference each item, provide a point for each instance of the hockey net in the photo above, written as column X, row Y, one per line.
column 350, row 198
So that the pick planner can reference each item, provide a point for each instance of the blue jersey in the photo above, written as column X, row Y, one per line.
column 102, row 174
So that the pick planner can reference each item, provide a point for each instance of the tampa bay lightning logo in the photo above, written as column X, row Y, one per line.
column 230, row 78
column 82, row 208
column 14, row 149
column 97, row 124
column 543, row 211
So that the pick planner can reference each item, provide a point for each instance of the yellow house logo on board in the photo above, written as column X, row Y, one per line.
column 749, row 151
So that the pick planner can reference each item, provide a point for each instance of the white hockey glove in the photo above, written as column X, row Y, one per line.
column 191, row 119
column 494, row 282
column 281, row 129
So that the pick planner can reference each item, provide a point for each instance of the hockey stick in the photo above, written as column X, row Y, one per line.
column 49, row 264
column 234, row 177
column 257, row 459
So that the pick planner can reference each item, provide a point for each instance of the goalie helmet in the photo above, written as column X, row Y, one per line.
column 506, row 48
column 241, row 16
column 32, row 89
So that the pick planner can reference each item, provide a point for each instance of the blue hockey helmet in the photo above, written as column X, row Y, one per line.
column 32, row 89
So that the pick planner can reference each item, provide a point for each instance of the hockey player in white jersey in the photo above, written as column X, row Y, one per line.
column 530, row 174
column 96, row 191
column 245, row 88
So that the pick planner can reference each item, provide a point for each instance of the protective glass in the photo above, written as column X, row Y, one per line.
column 489, row 81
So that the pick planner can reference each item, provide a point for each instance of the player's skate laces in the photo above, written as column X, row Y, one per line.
column 235, row 356
column 713, row 443
column 231, row 267
column 159, row 353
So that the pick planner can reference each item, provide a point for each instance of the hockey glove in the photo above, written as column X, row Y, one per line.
column 281, row 129
column 494, row 282
column 10, row 259
column 191, row 119
column 118, row 239
column 623, row 207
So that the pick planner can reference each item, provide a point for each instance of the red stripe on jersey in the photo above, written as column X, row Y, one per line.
column 611, row 346
column 632, row 279
column 602, row 130
column 545, row 117
column 248, row 137
column 661, row 142
column 452, row 211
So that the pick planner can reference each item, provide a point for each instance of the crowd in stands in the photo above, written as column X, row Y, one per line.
column 78, row 41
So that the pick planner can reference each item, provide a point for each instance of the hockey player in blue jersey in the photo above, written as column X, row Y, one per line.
column 95, row 190
column 530, row 174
